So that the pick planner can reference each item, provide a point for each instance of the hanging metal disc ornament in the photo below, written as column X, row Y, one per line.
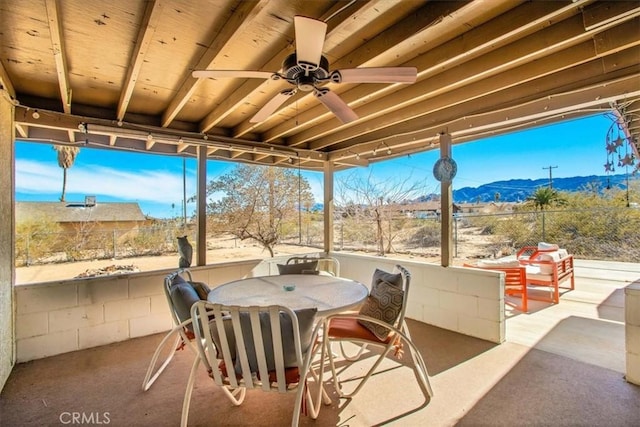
column 445, row 169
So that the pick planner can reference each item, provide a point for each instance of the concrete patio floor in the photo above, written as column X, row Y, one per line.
column 561, row 365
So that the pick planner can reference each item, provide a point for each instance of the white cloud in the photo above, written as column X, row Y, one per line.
column 142, row 185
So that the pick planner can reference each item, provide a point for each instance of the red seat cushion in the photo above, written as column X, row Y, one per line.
column 291, row 375
column 351, row 329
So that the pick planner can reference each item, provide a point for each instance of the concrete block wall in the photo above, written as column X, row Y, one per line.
column 468, row 301
column 63, row 316
column 632, row 332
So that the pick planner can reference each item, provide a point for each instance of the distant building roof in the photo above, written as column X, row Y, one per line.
column 79, row 212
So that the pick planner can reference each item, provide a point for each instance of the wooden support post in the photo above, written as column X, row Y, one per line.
column 328, row 207
column 201, row 216
column 446, row 208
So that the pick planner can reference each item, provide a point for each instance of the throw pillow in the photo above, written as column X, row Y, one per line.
column 383, row 276
column 298, row 268
column 547, row 246
column 384, row 303
column 183, row 296
column 202, row 289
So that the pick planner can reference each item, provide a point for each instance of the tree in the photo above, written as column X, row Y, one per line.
column 544, row 197
column 256, row 200
column 379, row 200
column 66, row 158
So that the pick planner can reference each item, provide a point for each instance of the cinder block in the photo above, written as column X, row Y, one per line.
column 632, row 338
column 491, row 309
column 46, row 345
column 441, row 318
column 102, row 334
column 99, row 291
column 148, row 325
column 146, row 286
column 425, row 295
column 483, row 286
column 481, row 328
column 76, row 317
column 159, row 304
column 32, row 325
column 633, row 368
column 33, row 299
column 127, row 309
column 632, row 305
column 414, row 309
column 459, row 303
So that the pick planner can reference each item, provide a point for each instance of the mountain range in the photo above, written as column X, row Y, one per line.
column 517, row 190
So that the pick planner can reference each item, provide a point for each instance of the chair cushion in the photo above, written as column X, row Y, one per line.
column 298, row 268
column 350, row 328
column 228, row 330
column 306, row 321
column 394, row 279
column 500, row 262
column 384, row 303
column 183, row 296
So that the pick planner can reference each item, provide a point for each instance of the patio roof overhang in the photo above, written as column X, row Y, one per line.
column 118, row 75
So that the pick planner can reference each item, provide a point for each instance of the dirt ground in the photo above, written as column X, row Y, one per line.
column 471, row 245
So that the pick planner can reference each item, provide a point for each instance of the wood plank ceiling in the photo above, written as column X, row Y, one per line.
column 117, row 74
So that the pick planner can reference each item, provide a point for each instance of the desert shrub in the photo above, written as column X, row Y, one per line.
column 428, row 235
column 150, row 241
column 35, row 239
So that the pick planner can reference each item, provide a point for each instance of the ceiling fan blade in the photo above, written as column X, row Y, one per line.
column 336, row 105
column 375, row 75
column 310, row 35
column 270, row 107
column 231, row 74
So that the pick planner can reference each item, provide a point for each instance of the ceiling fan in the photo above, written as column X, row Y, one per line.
column 307, row 70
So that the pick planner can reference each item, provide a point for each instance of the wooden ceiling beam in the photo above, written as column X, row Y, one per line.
column 243, row 93
column 495, row 33
column 390, row 40
column 152, row 13
column 59, row 54
column 5, row 82
column 502, row 68
column 532, row 103
column 241, row 18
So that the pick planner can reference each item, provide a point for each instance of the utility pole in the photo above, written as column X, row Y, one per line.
column 550, row 178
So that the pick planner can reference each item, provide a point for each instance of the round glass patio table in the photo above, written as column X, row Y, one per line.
column 328, row 294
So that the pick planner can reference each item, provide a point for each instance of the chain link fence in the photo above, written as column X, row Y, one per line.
column 603, row 234
column 43, row 247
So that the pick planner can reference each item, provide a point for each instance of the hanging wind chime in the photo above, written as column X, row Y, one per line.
column 619, row 152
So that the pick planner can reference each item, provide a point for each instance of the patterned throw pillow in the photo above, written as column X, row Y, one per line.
column 384, row 303
column 394, row 279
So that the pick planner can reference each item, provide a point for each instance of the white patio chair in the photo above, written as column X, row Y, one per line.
column 307, row 264
column 181, row 331
column 266, row 348
column 380, row 323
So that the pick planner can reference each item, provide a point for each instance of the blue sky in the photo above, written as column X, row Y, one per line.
column 576, row 147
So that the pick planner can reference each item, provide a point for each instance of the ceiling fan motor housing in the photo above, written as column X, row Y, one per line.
column 305, row 76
